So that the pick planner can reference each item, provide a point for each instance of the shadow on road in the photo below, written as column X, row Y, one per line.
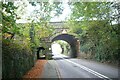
column 59, row 58
column 41, row 58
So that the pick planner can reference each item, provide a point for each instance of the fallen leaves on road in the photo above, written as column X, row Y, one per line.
column 36, row 71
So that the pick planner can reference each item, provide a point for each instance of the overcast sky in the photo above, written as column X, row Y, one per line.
column 65, row 14
column 29, row 9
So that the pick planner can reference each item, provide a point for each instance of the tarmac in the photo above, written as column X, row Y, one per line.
column 51, row 71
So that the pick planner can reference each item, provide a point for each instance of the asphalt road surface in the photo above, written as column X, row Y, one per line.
column 81, row 68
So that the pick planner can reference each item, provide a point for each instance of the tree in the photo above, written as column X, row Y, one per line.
column 45, row 10
column 93, row 22
column 9, row 19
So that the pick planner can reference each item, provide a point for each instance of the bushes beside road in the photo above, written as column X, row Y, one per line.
column 17, row 59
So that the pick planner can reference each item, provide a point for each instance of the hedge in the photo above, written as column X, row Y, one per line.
column 16, row 59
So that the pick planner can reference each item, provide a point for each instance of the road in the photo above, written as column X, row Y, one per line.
column 81, row 68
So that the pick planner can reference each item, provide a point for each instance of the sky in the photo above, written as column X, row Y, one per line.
column 29, row 9
column 66, row 12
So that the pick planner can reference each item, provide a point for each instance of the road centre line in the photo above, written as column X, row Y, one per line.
column 89, row 70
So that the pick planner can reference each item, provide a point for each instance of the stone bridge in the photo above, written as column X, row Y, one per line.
column 61, row 33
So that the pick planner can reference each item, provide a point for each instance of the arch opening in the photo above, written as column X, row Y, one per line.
column 72, row 41
column 60, row 47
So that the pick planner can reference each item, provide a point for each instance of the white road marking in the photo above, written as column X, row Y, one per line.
column 88, row 69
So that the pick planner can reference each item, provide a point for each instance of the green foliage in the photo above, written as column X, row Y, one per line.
column 42, row 32
column 9, row 18
column 66, row 49
column 98, row 35
column 48, row 56
column 16, row 59
column 54, row 8
column 90, row 10
column 20, row 40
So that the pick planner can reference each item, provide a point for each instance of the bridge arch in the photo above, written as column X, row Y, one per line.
column 71, row 40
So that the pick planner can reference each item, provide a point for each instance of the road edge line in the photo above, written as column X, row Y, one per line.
column 90, row 70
